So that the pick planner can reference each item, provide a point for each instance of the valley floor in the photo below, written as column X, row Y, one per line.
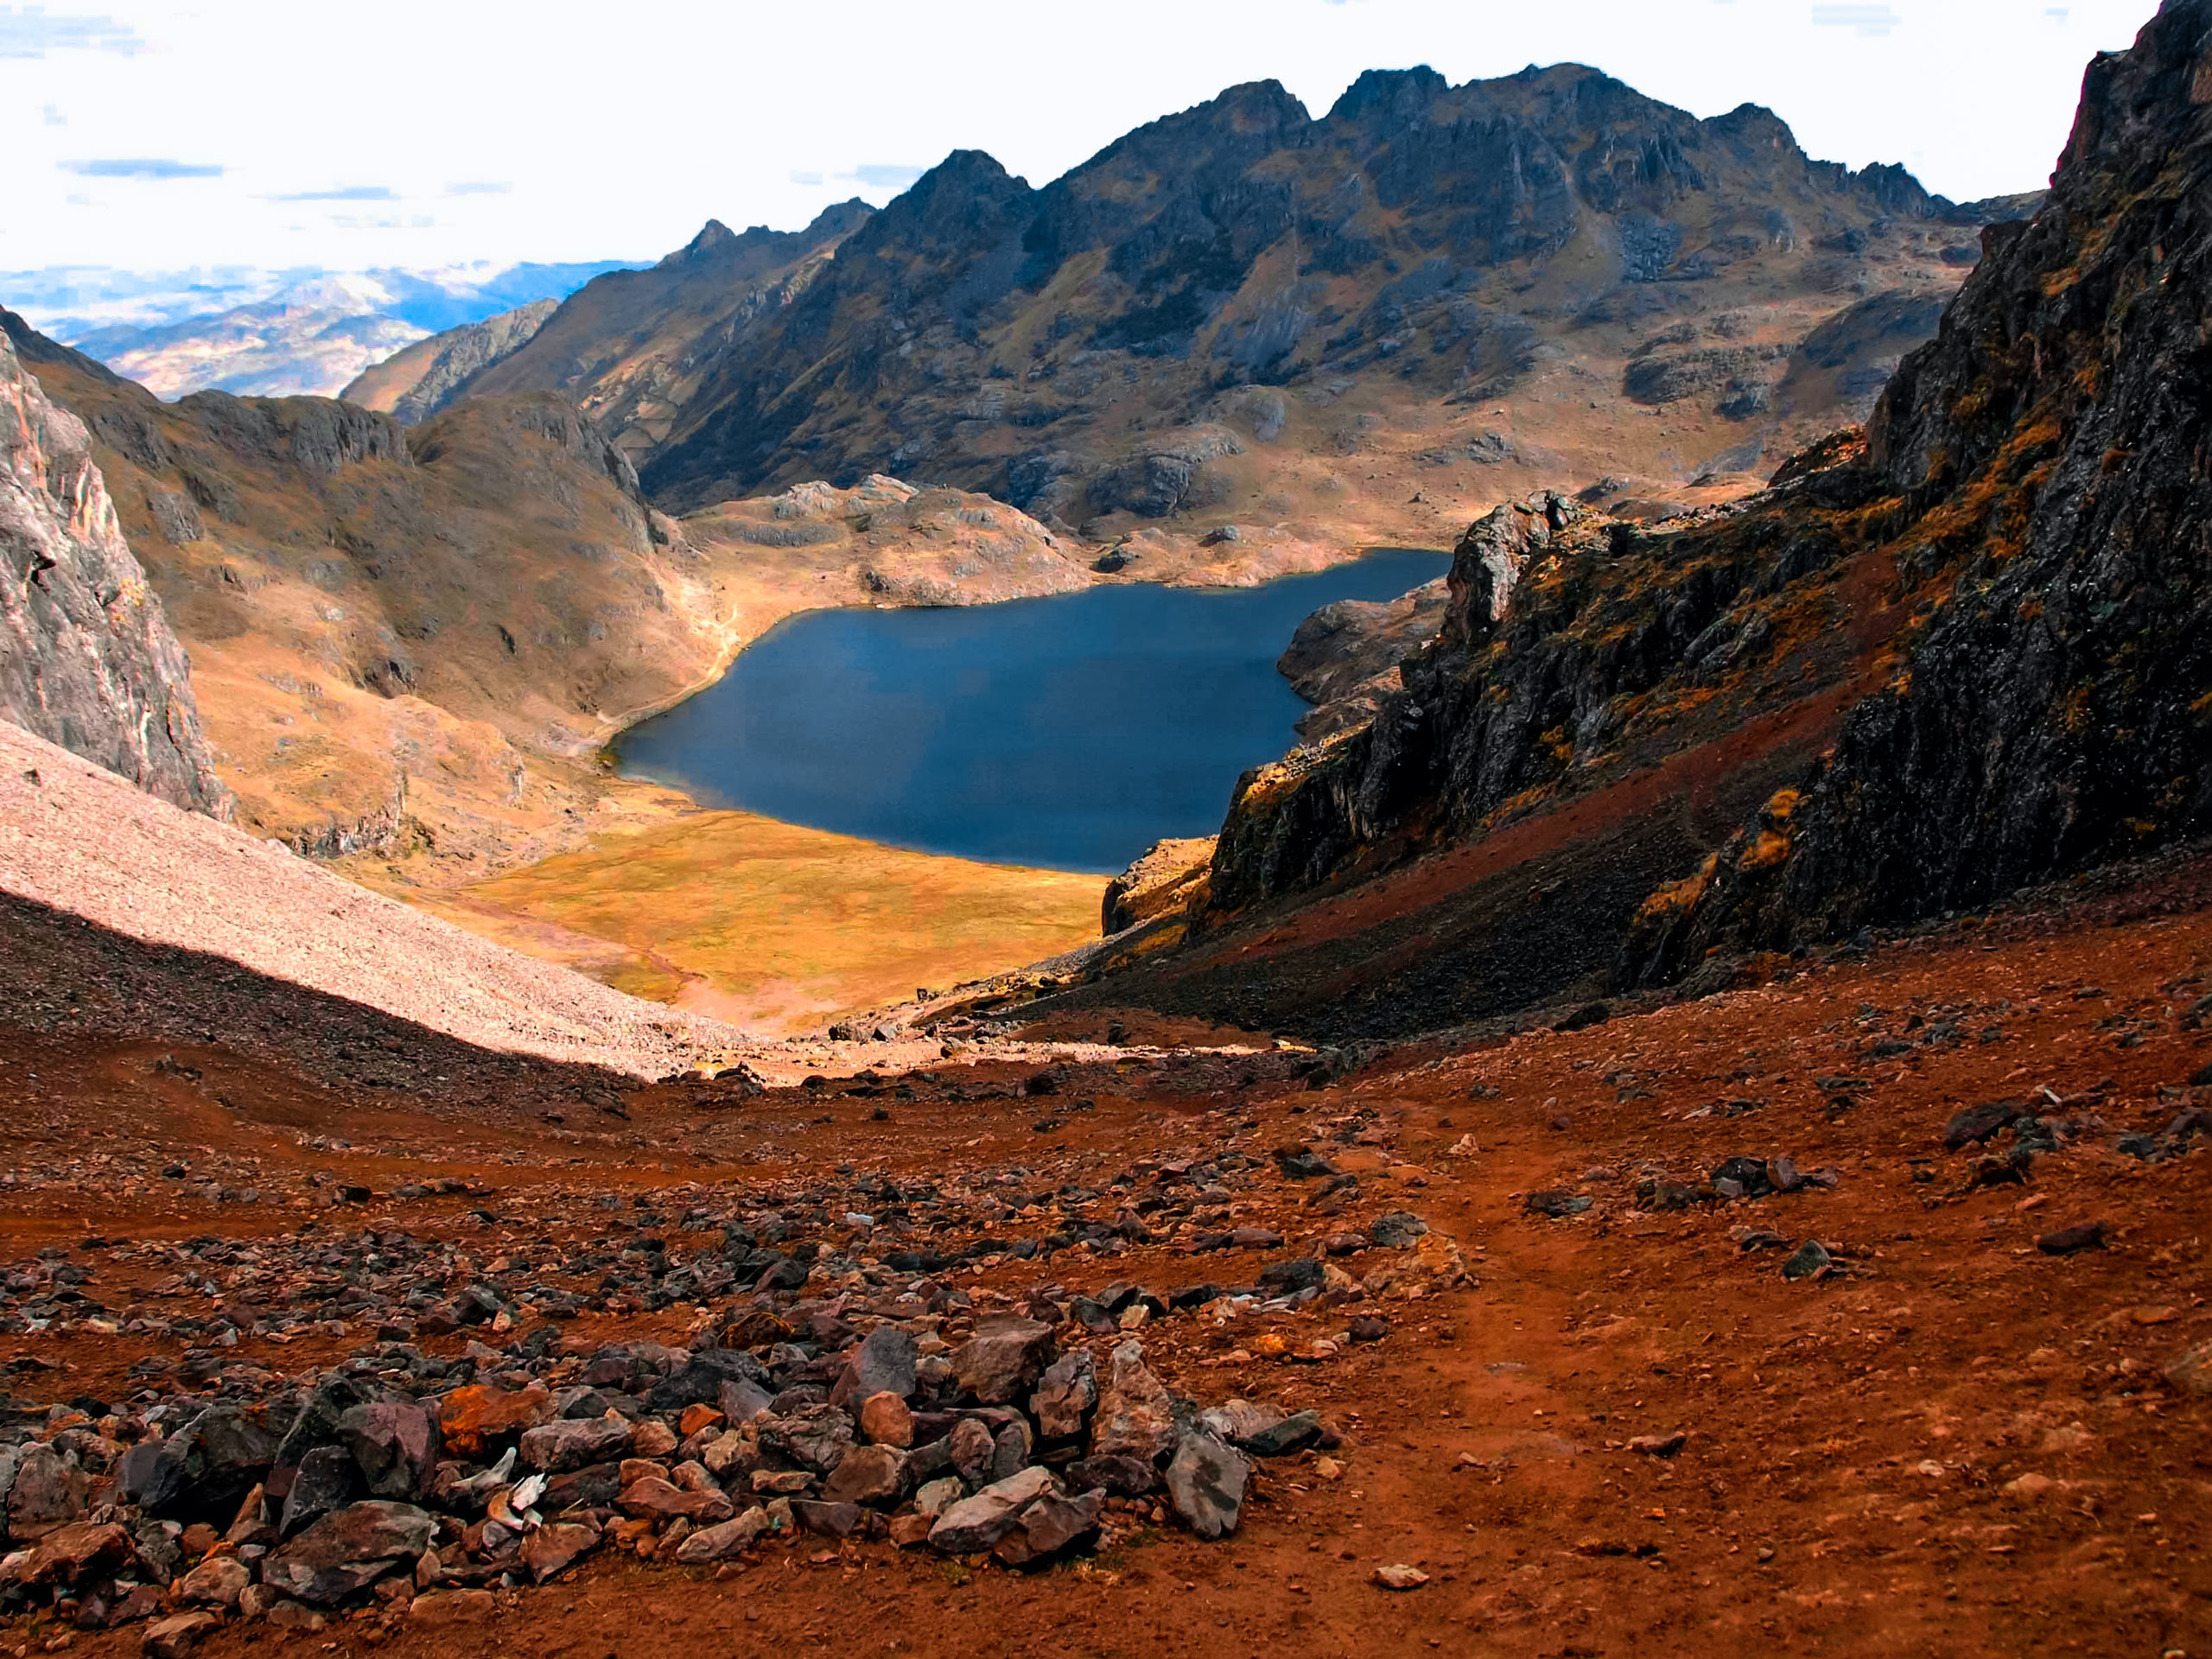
column 1953, row 1439
column 772, row 927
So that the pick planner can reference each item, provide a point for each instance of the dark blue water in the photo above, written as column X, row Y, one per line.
column 1070, row 733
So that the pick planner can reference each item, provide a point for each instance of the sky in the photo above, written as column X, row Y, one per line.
column 426, row 133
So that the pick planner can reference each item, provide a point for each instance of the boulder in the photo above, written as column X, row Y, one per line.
column 867, row 1474
column 973, row 1449
column 1123, row 1477
column 49, row 1492
column 815, row 1436
column 557, row 1447
column 1003, row 1360
column 348, row 1551
column 828, row 1520
column 723, row 1540
column 1049, row 1527
column 555, row 1545
column 654, row 1498
column 325, row 1481
column 1064, row 1395
column 886, row 1420
column 177, row 1636
column 473, row 1416
column 82, row 1552
column 1205, row 1481
column 440, row 1609
column 883, row 1364
column 395, row 1445
column 216, row 1582
column 977, row 1523
column 1136, row 1414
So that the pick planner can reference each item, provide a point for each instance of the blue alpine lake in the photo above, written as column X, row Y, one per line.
column 1067, row 733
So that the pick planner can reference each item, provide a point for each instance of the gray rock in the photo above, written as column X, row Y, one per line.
column 1054, row 1524
column 1397, row 1229
column 1136, row 1414
column 348, row 1551
column 1064, row 1395
column 977, row 1523
column 575, row 1443
column 1003, row 1360
column 883, row 1364
column 1205, row 1481
column 1238, row 1421
column 50, row 1491
column 1809, row 1259
column 395, row 1445
column 741, row 1400
column 1301, row 1428
column 973, row 1448
column 1010, row 1451
column 1123, row 1477
column 86, row 657
column 817, row 1437
column 940, row 1495
column 324, row 1484
column 723, row 1540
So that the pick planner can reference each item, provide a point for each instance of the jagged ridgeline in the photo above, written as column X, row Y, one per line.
column 1220, row 312
column 976, row 325
column 1960, row 653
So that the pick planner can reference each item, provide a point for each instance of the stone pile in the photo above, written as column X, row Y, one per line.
column 915, row 1419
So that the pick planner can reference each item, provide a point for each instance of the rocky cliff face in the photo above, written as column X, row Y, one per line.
column 2047, row 710
column 429, row 374
column 86, row 658
column 1242, row 312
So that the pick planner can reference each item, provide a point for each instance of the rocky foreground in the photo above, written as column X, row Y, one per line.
column 1863, row 1307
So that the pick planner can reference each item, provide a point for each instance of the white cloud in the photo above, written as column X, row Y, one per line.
column 34, row 32
column 1873, row 21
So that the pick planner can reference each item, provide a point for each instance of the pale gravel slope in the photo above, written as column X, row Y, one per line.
column 79, row 839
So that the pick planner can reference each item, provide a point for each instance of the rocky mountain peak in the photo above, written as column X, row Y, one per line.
column 1395, row 96
column 713, row 238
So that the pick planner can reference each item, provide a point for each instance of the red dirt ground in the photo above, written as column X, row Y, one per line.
column 1847, row 1486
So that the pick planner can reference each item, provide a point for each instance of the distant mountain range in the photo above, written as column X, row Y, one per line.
column 269, row 333
column 1243, row 321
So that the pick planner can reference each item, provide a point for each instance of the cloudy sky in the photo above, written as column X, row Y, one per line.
column 425, row 133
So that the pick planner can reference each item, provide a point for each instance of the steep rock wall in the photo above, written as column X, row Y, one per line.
column 87, row 661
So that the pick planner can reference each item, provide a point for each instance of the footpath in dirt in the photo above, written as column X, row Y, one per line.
column 1862, row 1310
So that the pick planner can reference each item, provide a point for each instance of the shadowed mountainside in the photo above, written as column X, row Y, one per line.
column 630, row 348
column 1922, row 671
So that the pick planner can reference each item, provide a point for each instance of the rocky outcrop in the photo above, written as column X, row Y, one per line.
column 87, row 661
column 1344, row 658
column 1170, row 877
column 431, row 373
column 905, row 545
column 1571, row 646
column 2048, row 710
